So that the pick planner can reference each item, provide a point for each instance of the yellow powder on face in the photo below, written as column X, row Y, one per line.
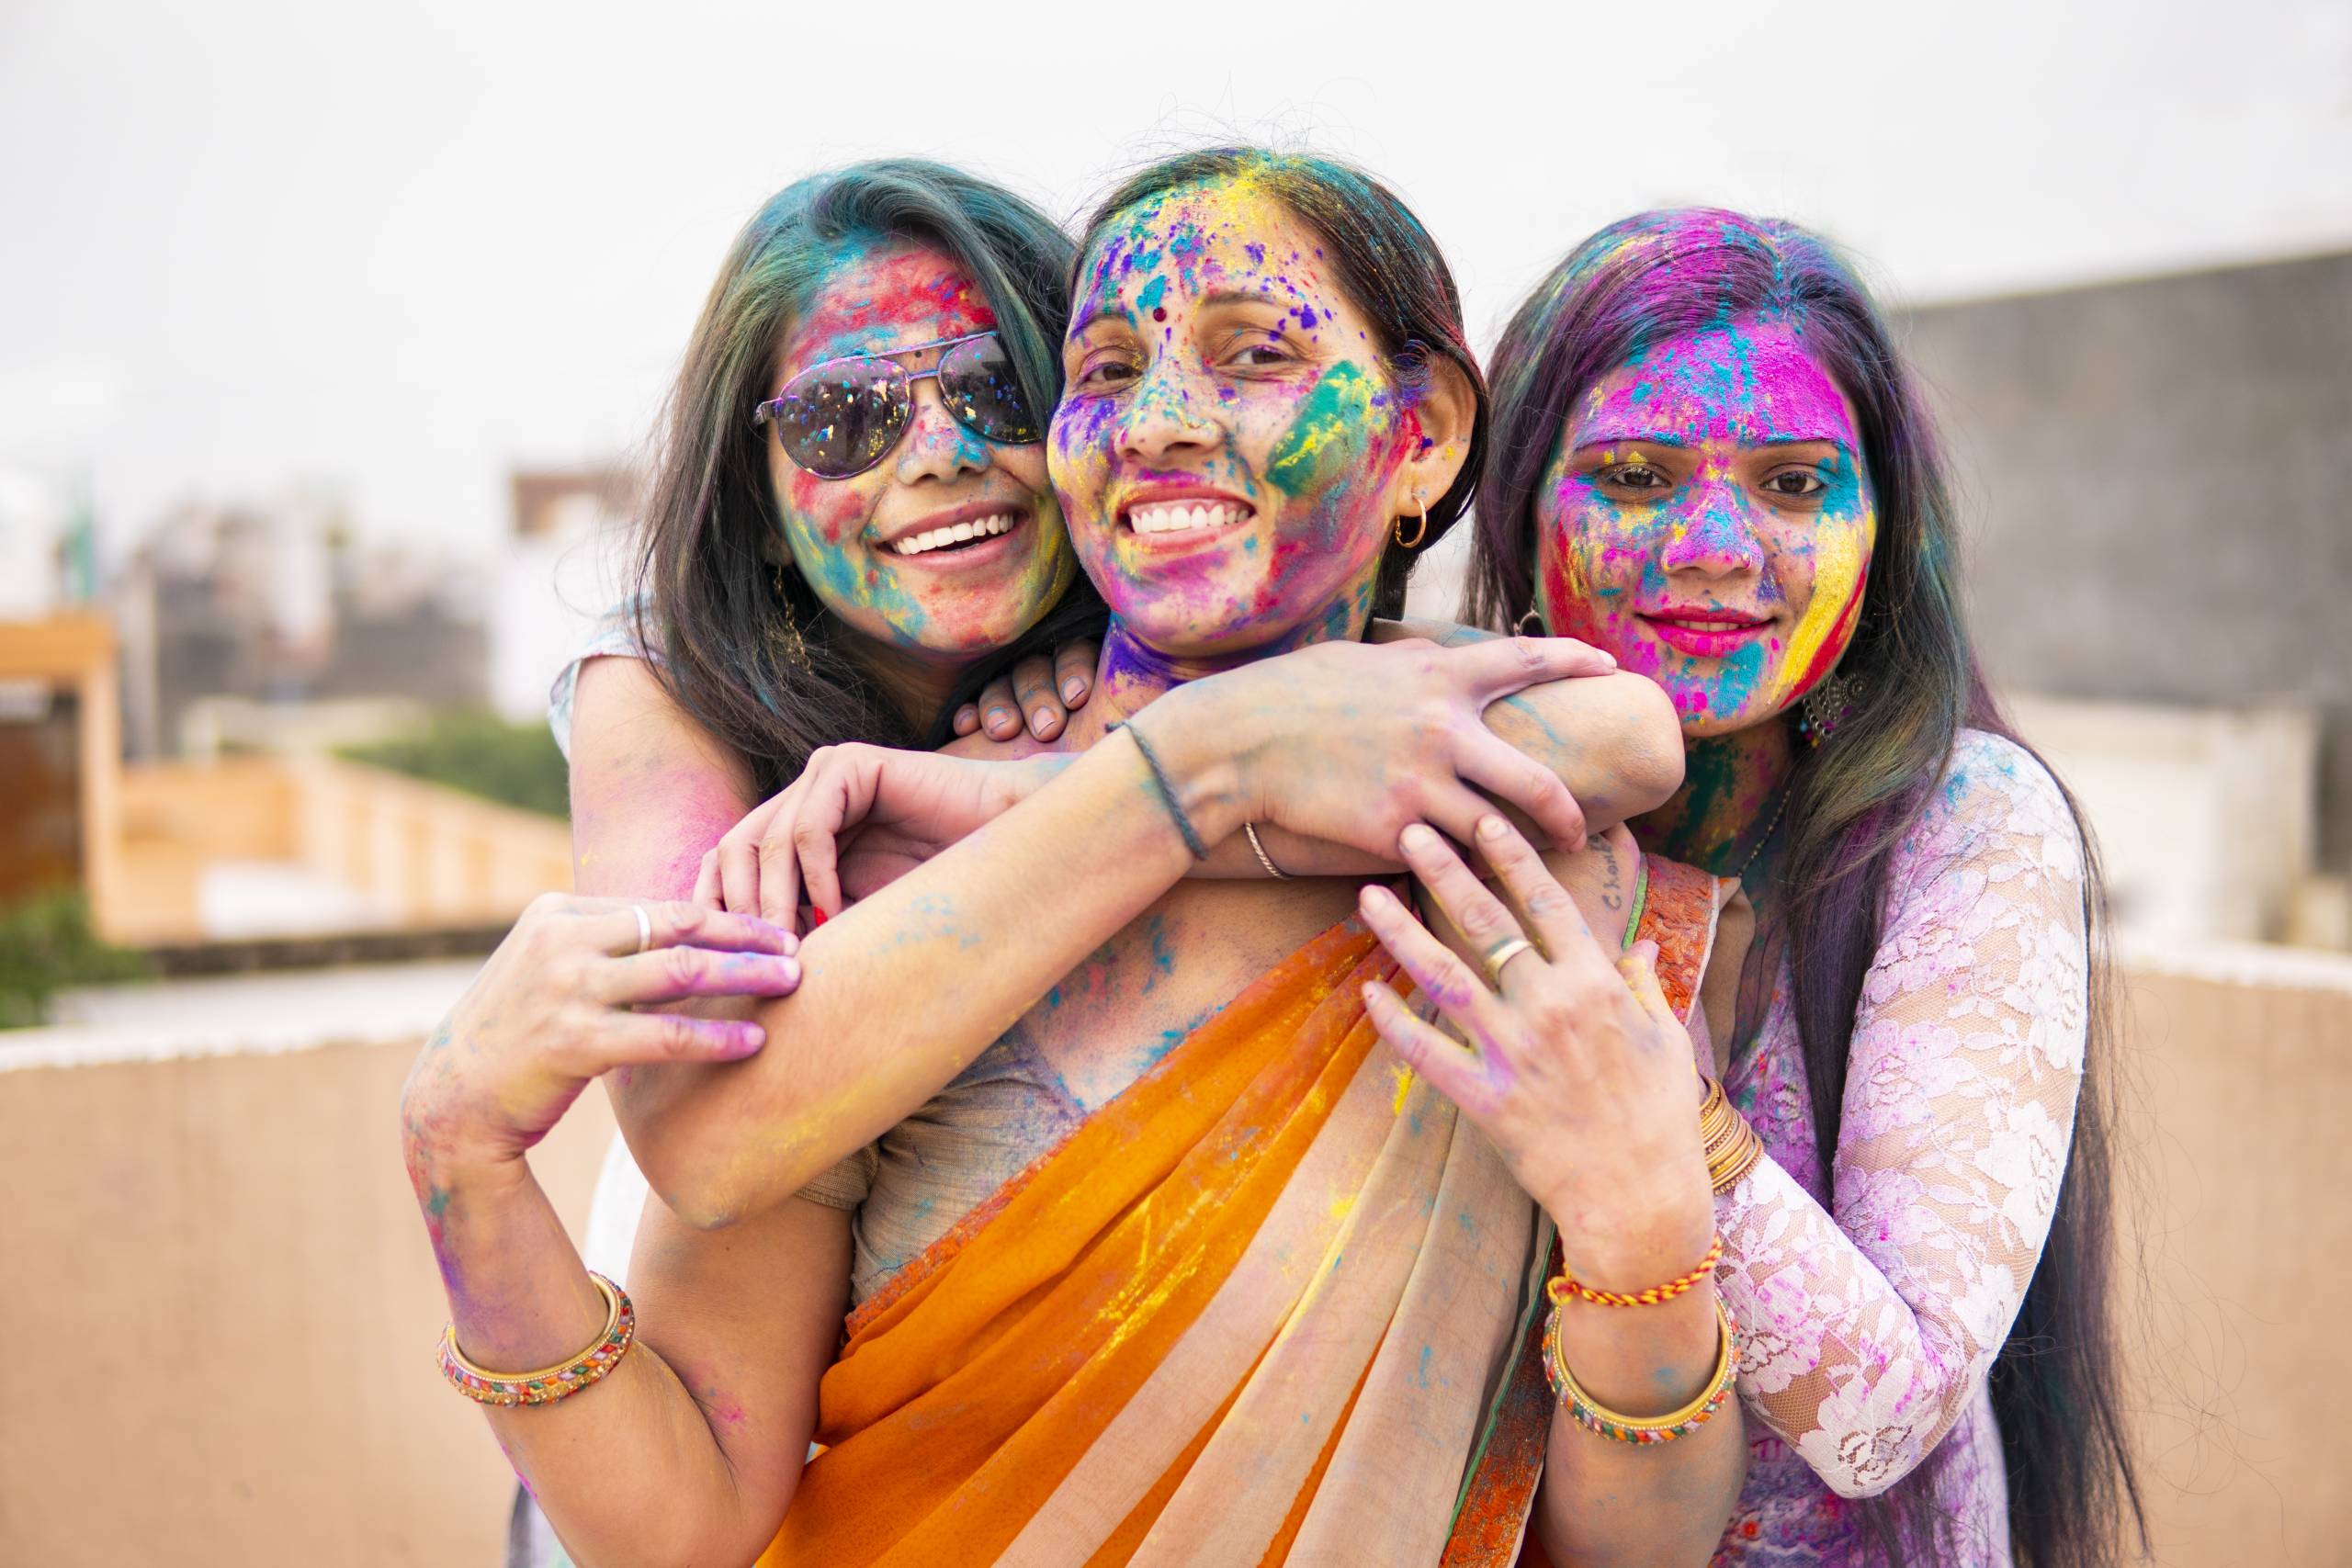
column 1837, row 577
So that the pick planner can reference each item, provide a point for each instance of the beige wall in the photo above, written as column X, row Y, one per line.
column 219, row 1307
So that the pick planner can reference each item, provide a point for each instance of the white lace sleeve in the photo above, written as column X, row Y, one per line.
column 1870, row 1333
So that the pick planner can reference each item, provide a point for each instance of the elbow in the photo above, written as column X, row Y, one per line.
column 1650, row 753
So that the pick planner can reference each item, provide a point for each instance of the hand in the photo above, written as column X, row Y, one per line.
column 1041, row 693
column 553, row 1008
column 1350, row 742
column 1577, row 1068
column 856, row 819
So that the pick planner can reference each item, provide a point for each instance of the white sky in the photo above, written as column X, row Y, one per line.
column 391, row 250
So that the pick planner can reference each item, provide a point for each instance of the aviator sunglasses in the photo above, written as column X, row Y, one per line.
column 839, row 418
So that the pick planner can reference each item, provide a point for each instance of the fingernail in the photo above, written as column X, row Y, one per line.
column 1073, row 689
column 1491, row 826
column 1375, row 897
column 1417, row 837
column 816, row 916
column 1001, row 717
column 789, row 970
column 784, row 941
column 1042, row 719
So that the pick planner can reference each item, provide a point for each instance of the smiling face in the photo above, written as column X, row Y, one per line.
column 1707, row 519
column 952, row 545
column 1229, row 443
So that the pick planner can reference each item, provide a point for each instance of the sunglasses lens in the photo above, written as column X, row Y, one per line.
column 978, row 384
column 837, row 420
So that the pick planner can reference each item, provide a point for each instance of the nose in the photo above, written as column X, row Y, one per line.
column 1716, row 535
column 937, row 445
column 1167, row 414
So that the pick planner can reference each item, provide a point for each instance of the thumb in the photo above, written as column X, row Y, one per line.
column 1639, row 969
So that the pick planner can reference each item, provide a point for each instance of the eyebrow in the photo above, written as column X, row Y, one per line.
column 1675, row 443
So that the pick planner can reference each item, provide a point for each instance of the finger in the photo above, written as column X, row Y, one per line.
column 1640, row 969
column 675, row 974
column 670, row 922
column 1517, row 779
column 739, row 871
column 707, row 889
column 966, row 720
column 1451, row 984
column 814, row 847
column 628, row 1038
column 998, row 716
column 1552, row 914
column 1454, row 1071
column 1041, row 707
column 1502, row 665
column 1074, row 671
column 779, row 877
column 1485, row 921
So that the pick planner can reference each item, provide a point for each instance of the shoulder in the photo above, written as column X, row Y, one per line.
column 1994, row 796
column 621, row 632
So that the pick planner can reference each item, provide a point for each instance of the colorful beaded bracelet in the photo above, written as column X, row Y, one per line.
column 551, row 1382
column 1566, row 1284
column 1607, row 1423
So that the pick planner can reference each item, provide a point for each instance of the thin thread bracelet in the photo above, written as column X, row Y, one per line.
column 1191, row 835
column 548, row 1384
column 1566, row 1284
column 1277, row 873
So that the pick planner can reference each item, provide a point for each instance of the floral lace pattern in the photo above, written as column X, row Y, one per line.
column 1869, row 1330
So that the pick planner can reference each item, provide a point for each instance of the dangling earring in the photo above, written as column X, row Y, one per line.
column 796, row 651
column 1530, row 624
column 1825, row 708
column 1421, row 530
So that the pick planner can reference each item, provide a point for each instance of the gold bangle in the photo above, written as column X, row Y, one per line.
column 1734, row 1156
column 548, row 1384
column 1277, row 873
column 1599, row 1418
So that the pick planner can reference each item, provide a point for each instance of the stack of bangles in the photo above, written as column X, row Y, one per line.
column 1599, row 1418
column 548, row 1384
column 1732, row 1147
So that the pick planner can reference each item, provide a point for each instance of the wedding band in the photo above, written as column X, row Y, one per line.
column 1503, row 954
column 1277, row 873
column 644, row 927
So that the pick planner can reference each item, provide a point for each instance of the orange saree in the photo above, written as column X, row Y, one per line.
column 1272, row 1305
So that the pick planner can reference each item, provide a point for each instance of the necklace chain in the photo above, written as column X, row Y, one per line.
column 1769, row 828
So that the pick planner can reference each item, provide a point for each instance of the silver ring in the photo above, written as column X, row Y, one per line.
column 1503, row 954
column 644, row 927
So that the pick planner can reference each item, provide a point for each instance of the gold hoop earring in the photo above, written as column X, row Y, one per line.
column 1525, row 629
column 1420, row 531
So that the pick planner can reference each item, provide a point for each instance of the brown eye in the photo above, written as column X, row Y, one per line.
column 1795, row 484
column 1635, row 476
column 1106, row 372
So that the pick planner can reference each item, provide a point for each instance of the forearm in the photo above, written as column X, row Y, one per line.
column 1607, row 1502
column 719, row 1143
column 628, row 1471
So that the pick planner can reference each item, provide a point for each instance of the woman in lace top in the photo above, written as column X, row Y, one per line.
column 1713, row 463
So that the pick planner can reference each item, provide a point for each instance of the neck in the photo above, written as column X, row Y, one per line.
column 1732, row 785
column 914, row 684
column 1131, row 673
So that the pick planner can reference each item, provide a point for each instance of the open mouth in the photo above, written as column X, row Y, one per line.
column 1706, row 636
column 954, row 537
column 1180, row 517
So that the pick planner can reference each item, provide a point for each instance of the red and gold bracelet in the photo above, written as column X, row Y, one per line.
column 550, row 1383
column 1607, row 1423
column 1566, row 1284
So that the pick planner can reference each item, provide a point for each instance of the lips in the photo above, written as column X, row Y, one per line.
column 954, row 533
column 1705, row 632
column 1179, row 515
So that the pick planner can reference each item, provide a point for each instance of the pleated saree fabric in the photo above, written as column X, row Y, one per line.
column 1273, row 1304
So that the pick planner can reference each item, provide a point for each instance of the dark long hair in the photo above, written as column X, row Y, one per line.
column 1384, row 258
column 750, row 651
column 1661, row 275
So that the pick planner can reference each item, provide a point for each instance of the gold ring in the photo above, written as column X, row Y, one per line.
column 1502, row 954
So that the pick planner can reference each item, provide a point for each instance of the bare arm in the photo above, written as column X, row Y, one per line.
column 1347, row 745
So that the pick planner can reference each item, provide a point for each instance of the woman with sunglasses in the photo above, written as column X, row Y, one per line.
column 1196, row 1272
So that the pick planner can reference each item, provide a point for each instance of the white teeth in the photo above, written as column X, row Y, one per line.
column 954, row 534
column 1173, row 518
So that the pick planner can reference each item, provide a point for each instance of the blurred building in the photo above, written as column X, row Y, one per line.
column 279, row 602
column 566, row 563
column 2157, row 495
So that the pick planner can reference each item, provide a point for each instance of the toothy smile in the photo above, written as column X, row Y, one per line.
column 1176, row 517
column 954, row 534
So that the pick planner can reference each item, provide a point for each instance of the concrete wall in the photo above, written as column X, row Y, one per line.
column 220, row 1308
column 2159, row 491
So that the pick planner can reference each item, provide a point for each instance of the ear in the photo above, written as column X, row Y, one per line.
column 1448, row 415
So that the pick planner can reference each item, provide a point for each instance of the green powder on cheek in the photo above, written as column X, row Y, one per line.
column 1328, row 437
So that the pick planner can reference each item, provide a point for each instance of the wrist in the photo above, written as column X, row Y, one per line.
column 1202, row 766
column 1639, row 1235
